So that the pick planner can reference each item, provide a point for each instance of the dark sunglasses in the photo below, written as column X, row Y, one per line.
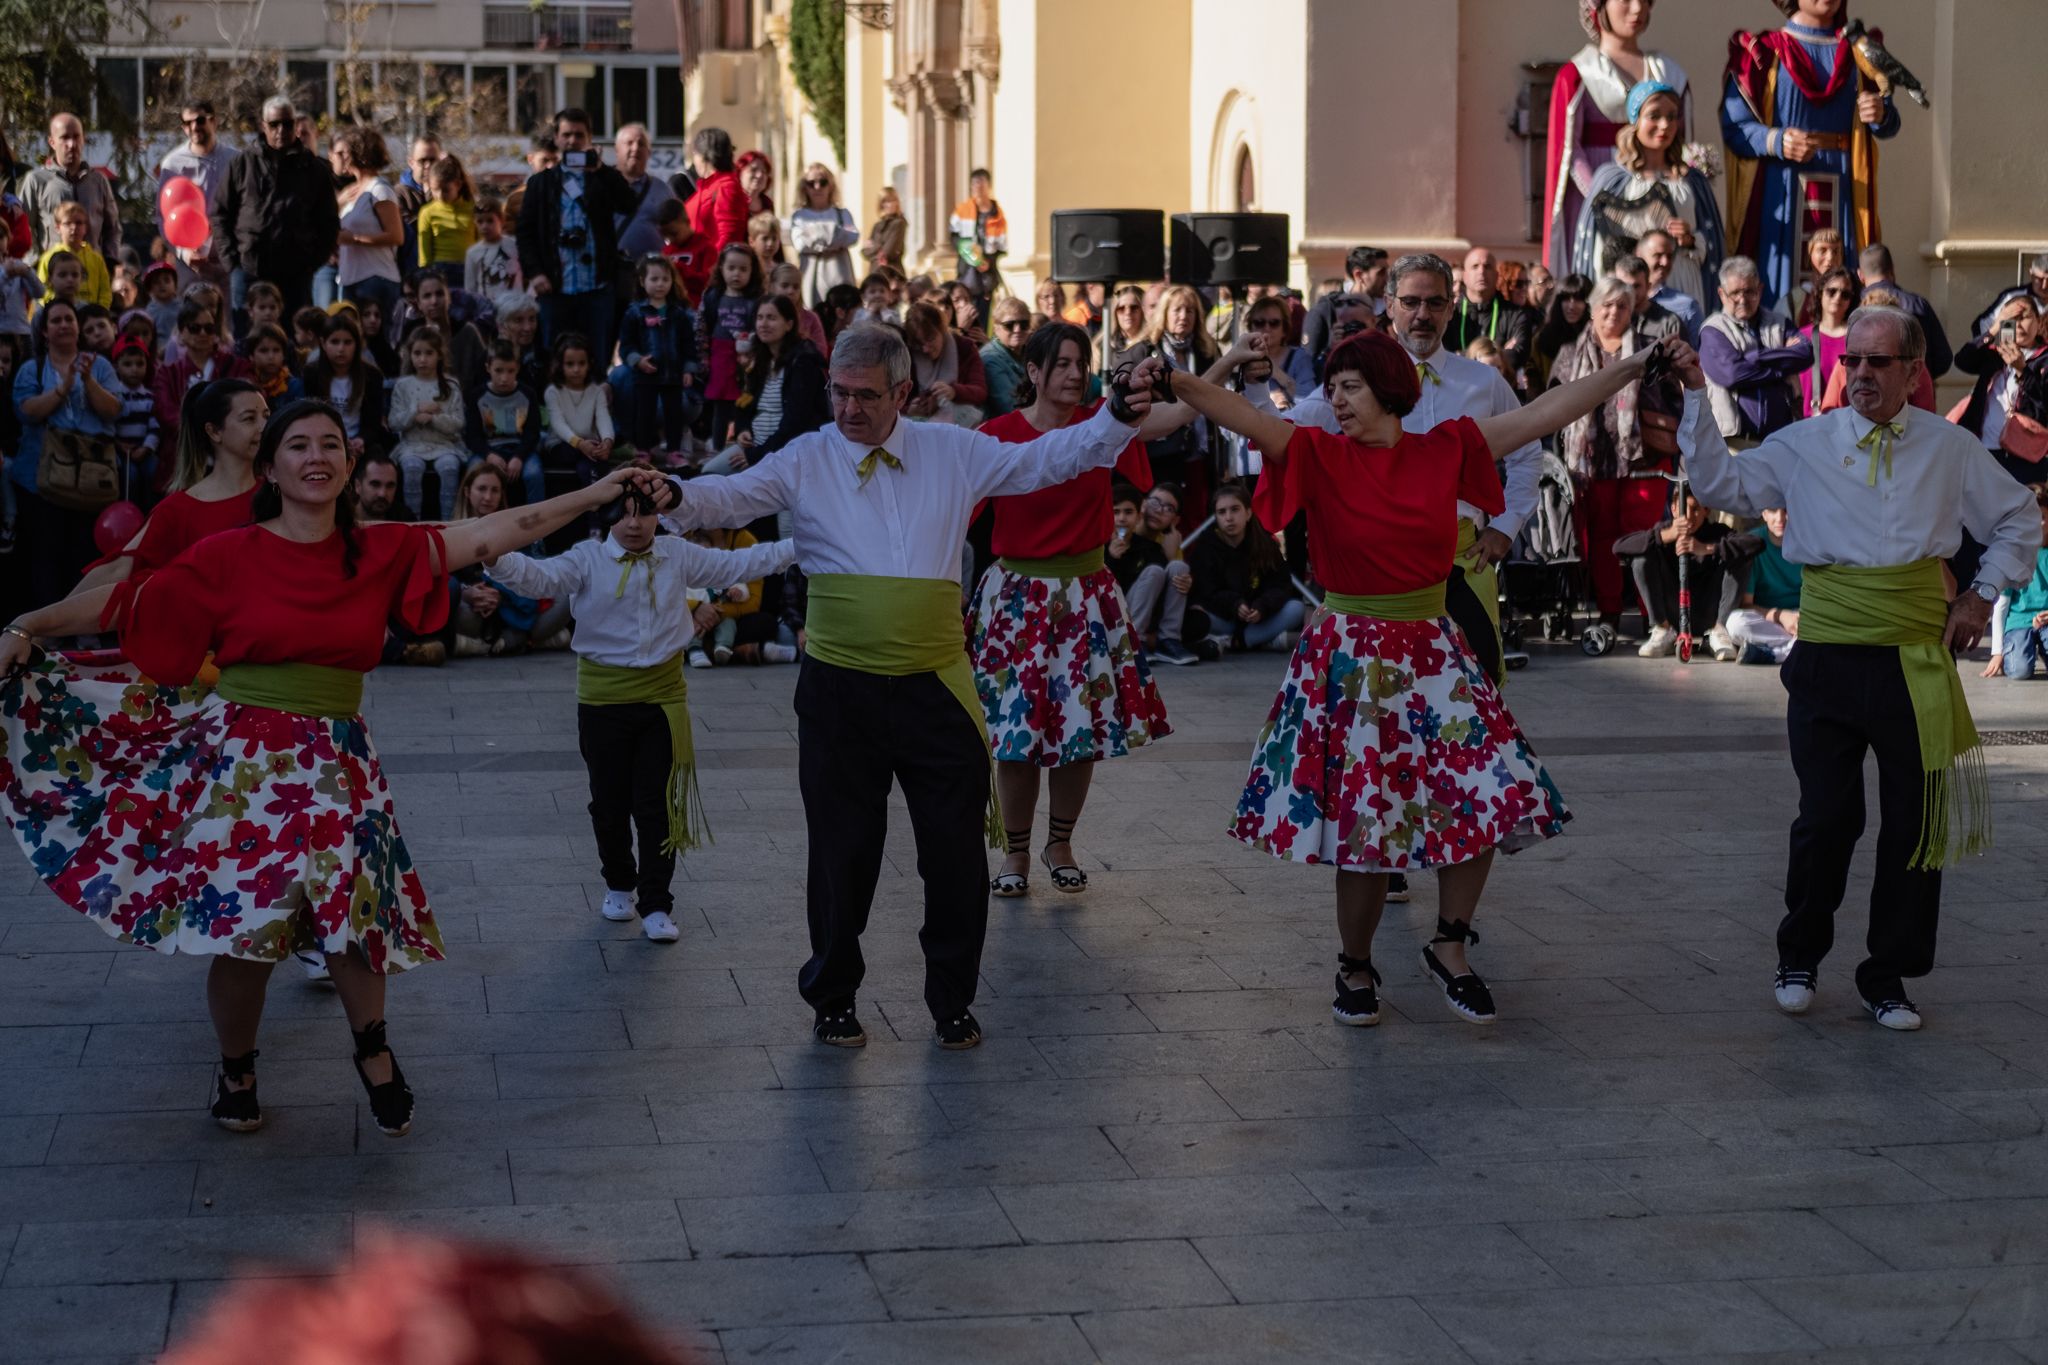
column 195, row 122
column 816, row 184
column 1267, row 324
column 1851, row 361
column 1015, row 325
column 205, row 329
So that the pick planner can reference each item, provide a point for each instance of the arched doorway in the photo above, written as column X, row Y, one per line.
column 1246, row 181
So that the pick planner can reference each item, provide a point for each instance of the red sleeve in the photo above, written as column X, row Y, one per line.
column 729, row 214
column 1280, row 493
column 970, row 384
column 1134, row 466
column 167, row 629
column 170, row 394
column 414, row 564
column 1478, row 478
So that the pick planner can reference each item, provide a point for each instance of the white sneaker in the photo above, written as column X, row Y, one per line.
column 470, row 647
column 1723, row 645
column 1662, row 644
column 659, row 928
column 721, row 655
column 1895, row 1014
column 779, row 654
column 315, row 965
column 699, row 659
column 1794, row 989
column 1282, row 643
column 618, row 906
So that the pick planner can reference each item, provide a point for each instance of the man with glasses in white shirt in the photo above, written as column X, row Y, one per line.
column 879, row 509
column 1877, row 495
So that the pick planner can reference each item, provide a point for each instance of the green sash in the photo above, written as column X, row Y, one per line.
column 1424, row 604
column 1064, row 566
column 1485, row 582
column 301, row 689
column 1906, row 605
column 895, row 627
column 662, row 685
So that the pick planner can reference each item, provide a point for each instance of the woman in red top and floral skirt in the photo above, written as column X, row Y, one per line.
column 1388, row 749
column 1056, row 662
column 247, row 821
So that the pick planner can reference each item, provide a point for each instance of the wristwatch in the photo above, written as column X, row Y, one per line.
column 1986, row 591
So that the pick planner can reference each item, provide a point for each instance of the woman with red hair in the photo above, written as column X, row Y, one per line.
column 1388, row 749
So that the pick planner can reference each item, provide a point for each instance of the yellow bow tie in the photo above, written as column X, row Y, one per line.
column 1425, row 373
column 876, row 456
column 627, row 562
column 1879, row 441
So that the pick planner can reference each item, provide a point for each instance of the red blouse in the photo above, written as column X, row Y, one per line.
column 1069, row 518
column 179, row 522
column 251, row 596
column 1381, row 519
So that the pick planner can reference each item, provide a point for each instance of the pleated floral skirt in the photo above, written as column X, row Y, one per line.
column 183, row 822
column 1388, row 750
column 1059, row 669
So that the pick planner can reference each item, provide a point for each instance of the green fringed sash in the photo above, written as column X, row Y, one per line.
column 1906, row 605
column 1424, row 604
column 301, row 689
column 662, row 685
column 896, row 627
column 1064, row 566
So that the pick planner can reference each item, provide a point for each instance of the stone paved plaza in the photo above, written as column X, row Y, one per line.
column 1165, row 1151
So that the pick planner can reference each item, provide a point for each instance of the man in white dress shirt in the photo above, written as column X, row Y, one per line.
column 879, row 511
column 1876, row 495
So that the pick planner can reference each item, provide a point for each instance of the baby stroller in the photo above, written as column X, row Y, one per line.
column 1543, row 579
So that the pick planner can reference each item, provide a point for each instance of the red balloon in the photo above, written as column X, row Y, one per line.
column 187, row 227
column 178, row 192
column 116, row 526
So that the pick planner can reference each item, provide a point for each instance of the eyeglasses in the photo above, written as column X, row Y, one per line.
column 277, row 123
column 1015, row 325
column 204, row 329
column 196, row 122
column 1267, row 324
column 1163, row 504
column 1435, row 303
column 1838, row 292
column 865, row 398
column 1345, row 329
column 815, row 184
column 1851, row 361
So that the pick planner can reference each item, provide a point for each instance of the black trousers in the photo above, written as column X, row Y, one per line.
column 627, row 750
column 1463, row 606
column 1845, row 700
column 855, row 733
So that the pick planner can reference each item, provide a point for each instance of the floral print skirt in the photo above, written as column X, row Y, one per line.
column 1388, row 750
column 1059, row 670
column 188, row 823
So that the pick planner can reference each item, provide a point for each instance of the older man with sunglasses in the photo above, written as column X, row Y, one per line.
column 276, row 218
column 1876, row 496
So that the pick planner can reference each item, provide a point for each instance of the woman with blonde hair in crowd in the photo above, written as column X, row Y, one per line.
column 823, row 234
column 1174, row 332
column 487, row 616
column 884, row 245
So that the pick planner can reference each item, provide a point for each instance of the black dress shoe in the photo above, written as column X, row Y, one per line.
column 839, row 1028
column 957, row 1035
column 237, row 1110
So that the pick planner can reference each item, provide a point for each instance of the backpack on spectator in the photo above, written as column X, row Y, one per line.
column 78, row 472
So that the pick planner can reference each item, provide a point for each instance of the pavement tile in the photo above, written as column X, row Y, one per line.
column 1368, row 1331
column 1486, row 1192
column 1114, row 1100
column 30, row 1046
column 1181, row 1149
column 793, row 1115
column 1387, row 1089
column 870, row 1220
column 1408, row 1260
column 878, row 1161
column 1613, row 1323
column 562, row 1234
column 1175, row 1054
column 1547, row 1134
column 138, row 1251
column 371, row 1180
column 63, row 1320
column 913, row 1061
column 676, row 1170
column 1711, row 1180
column 671, row 1071
column 761, row 1291
column 987, row 1341
column 1693, row 1247
column 1979, row 1170
column 1058, row 1279
column 1977, row 1232
column 1914, row 1307
column 311, row 1131
column 1163, row 1207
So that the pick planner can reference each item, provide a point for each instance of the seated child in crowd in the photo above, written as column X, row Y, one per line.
column 1241, row 578
column 632, row 716
column 731, row 614
column 489, row 618
column 659, row 344
column 1715, row 559
column 427, row 420
column 1767, row 626
column 341, row 374
column 2025, row 614
column 270, row 365
column 262, row 306
column 505, row 422
column 160, row 296
column 135, row 426
column 21, row 288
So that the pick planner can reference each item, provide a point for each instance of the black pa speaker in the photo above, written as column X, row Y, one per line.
column 1095, row 246
column 1229, row 248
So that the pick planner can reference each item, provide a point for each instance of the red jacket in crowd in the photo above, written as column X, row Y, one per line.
column 718, row 218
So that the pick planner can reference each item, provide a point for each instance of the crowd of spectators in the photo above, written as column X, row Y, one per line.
column 486, row 345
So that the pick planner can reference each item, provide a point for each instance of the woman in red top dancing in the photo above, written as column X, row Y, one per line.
column 1056, row 662
column 252, row 820
column 1388, row 749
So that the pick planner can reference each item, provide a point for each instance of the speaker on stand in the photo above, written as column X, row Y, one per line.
column 1229, row 248
column 1105, row 246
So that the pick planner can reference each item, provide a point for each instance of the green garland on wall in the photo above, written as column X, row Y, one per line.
column 817, row 50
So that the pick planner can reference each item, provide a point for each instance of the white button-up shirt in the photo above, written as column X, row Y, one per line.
column 901, row 523
column 1470, row 389
column 636, row 628
column 1942, row 482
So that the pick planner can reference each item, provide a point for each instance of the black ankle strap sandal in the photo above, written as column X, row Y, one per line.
column 237, row 1110
column 1465, row 993
column 1066, row 877
column 1009, row 885
column 1358, row 1006
column 390, row 1102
